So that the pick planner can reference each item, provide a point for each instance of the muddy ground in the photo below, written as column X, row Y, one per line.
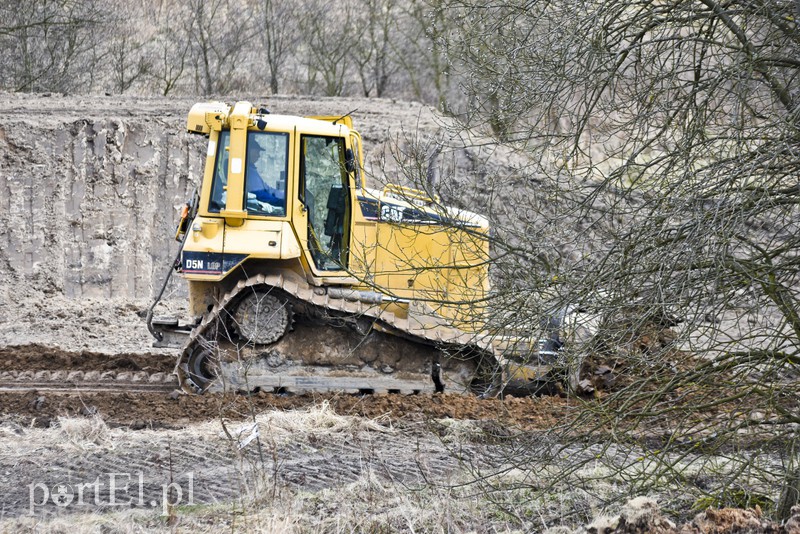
column 106, row 452
column 159, row 410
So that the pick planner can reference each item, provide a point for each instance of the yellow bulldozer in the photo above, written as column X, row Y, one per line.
column 301, row 278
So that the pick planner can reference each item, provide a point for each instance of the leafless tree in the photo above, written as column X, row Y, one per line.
column 375, row 46
column 278, row 34
column 426, row 27
column 169, row 49
column 659, row 191
column 47, row 45
column 127, row 50
column 220, row 32
column 328, row 36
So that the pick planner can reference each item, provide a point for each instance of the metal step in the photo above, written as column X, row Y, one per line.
column 173, row 333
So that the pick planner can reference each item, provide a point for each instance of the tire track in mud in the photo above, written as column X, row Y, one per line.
column 90, row 381
column 114, row 476
column 71, row 441
column 97, row 469
column 36, row 357
column 395, row 460
column 34, row 368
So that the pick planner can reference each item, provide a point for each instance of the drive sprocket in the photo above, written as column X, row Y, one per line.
column 262, row 317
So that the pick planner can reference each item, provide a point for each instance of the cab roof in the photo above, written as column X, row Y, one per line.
column 207, row 116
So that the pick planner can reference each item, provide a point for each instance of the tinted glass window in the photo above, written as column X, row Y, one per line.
column 220, row 181
column 265, row 173
column 325, row 196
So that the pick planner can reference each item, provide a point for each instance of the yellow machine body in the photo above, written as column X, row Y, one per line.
column 317, row 218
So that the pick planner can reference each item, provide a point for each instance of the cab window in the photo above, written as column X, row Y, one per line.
column 323, row 191
column 265, row 173
column 220, row 181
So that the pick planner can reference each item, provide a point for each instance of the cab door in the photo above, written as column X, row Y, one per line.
column 325, row 199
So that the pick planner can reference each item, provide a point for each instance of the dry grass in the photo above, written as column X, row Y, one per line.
column 367, row 505
column 374, row 502
column 85, row 433
column 510, row 499
column 319, row 421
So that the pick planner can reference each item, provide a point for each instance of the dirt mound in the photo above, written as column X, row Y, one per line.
column 642, row 515
column 149, row 410
column 41, row 358
column 732, row 520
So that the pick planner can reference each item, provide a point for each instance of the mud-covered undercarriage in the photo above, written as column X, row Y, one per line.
column 283, row 337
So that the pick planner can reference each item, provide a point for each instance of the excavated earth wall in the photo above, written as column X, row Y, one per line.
column 88, row 196
column 88, row 201
column 90, row 191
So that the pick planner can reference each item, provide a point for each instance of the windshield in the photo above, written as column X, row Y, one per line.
column 265, row 174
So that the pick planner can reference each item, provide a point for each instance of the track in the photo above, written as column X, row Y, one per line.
column 45, row 383
column 38, row 368
column 87, row 381
column 406, row 348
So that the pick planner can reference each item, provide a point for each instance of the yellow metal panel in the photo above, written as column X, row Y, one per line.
column 347, row 120
column 201, row 296
column 209, row 238
column 290, row 247
column 258, row 238
column 363, row 246
column 207, row 116
column 438, row 263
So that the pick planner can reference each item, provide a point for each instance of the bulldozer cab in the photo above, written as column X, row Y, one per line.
column 274, row 188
